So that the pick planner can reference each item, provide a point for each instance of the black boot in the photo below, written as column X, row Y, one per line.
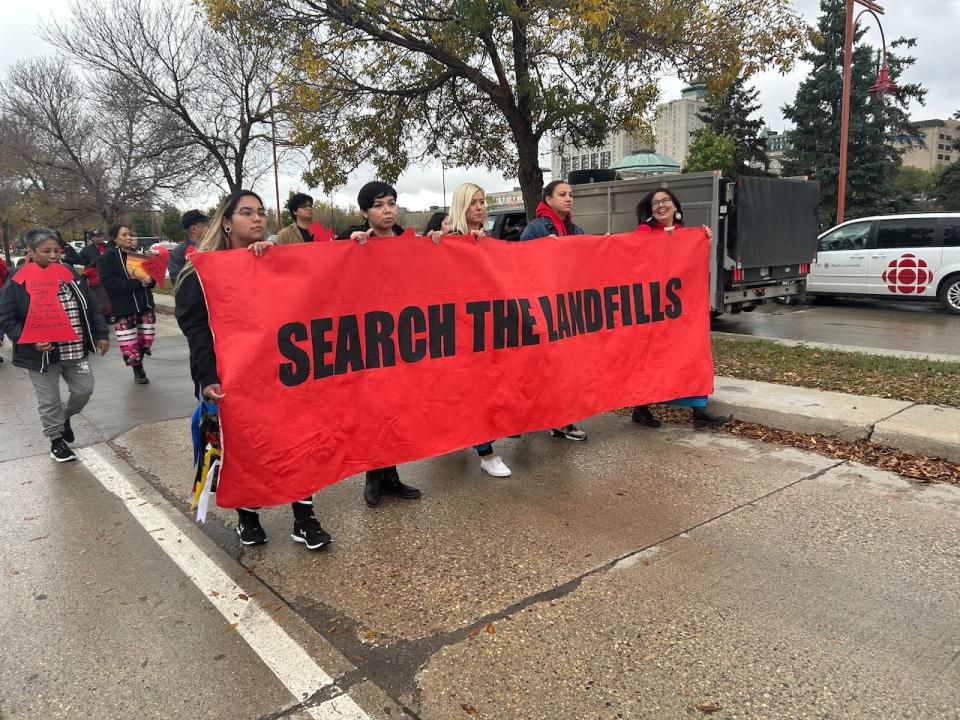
column 139, row 376
column 702, row 419
column 372, row 491
column 391, row 485
column 641, row 414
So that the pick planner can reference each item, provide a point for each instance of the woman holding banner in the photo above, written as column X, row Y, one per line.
column 468, row 216
column 660, row 211
column 130, row 301
column 240, row 222
column 555, row 219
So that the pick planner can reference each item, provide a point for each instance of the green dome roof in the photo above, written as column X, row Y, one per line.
column 647, row 162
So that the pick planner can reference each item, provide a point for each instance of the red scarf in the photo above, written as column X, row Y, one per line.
column 544, row 210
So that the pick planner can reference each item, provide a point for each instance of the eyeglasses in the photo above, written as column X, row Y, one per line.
column 250, row 212
column 662, row 201
column 305, row 207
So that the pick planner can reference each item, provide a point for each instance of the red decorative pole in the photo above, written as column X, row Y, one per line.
column 883, row 85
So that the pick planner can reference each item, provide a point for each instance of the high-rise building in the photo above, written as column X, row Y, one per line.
column 777, row 144
column 937, row 149
column 677, row 120
column 617, row 146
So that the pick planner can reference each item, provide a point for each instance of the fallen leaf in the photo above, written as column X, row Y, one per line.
column 473, row 632
column 490, row 628
column 371, row 635
column 708, row 708
column 231, row 626
column 241, row 596
column 214, row 593
column 469, row 709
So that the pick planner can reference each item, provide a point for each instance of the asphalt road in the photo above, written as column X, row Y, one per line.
column 642, row 574
column 902, row 326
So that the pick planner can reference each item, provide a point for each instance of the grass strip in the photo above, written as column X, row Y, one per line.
column 922, row 381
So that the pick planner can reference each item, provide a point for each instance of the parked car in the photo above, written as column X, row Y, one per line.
column 903, row 257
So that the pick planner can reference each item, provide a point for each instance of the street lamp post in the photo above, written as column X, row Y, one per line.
column 881, row 86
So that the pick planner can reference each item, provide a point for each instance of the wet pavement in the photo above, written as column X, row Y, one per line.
column 640, row 574
column 906, row 326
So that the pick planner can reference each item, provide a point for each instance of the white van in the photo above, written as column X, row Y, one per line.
column 901, row 257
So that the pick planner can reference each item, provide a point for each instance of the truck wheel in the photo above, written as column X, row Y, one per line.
column 949, row 295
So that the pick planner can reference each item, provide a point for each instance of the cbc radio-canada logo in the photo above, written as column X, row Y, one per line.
column 907, row 275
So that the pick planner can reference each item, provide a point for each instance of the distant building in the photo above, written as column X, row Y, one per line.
column 937, row 150
column 777, row 145
column 617, row 146
column 645, row 163
column 505, row 198
column 677, row 120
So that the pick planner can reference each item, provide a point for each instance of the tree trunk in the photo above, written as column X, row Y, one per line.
column 5, row 239
column 529, row 174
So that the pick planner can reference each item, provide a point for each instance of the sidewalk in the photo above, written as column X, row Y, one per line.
column 929, row 430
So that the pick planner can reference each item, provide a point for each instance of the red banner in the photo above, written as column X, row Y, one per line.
column 338, row 357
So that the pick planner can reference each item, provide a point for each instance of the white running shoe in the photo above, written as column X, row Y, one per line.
column 495, row 466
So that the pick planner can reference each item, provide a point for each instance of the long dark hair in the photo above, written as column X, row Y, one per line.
column 435, row 221
column 114, row 231
column 645, row 208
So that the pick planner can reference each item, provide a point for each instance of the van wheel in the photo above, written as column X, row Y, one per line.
column 949, row 295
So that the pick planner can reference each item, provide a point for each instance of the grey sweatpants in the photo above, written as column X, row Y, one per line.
column 79, row 378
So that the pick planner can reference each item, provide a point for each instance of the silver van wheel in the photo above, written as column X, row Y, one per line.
column 950, row 295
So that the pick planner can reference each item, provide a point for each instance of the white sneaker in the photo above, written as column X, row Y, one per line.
column 495, row 466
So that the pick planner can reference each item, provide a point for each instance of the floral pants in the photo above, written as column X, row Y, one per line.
column 135, row 335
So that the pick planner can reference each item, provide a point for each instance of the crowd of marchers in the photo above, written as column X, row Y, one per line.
column 104, row 291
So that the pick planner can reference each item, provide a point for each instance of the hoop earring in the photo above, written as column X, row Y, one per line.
column 227, row 231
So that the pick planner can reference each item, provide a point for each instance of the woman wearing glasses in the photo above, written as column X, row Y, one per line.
column 660, row 211
column 240, row 222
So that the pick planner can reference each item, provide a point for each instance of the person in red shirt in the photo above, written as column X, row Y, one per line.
column 660, row 211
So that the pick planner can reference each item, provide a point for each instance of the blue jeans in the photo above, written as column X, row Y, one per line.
column 484, row 448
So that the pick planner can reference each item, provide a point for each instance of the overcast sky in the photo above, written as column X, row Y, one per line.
column 933, row 23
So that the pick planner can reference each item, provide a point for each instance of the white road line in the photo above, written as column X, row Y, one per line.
column 279, row 652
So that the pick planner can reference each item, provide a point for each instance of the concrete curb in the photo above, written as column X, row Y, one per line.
column 930, row 430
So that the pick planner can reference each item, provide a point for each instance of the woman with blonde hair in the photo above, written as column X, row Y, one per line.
column 240, row 222
column 468, row 216
column 468, row 211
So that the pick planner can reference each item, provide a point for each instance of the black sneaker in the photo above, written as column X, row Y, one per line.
column 67, row 431
column 250, row 530
column 309, row 532
column 60, row 452
column 570, row 432
column 642, row 415
column 140, row 376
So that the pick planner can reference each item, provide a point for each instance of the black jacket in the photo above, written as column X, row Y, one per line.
column 194, row 322
column 345, row 235
column 127, row 295
column 14, row 305
column 89, row 255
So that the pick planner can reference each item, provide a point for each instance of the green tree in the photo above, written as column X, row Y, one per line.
column 710, row 151
column 875, row 123
column 948, row 188
column 170, row 226
column 728, row 113
column 482, row 83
